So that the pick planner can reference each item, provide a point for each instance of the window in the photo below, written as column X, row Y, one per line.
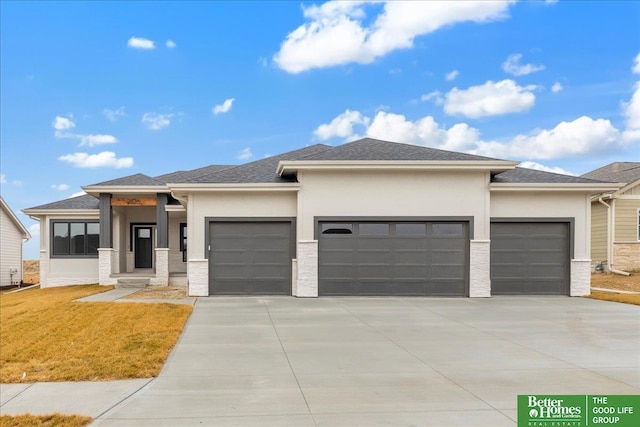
column 447, row 229
column 411, row 229
column 372, row 229
column 337, row 228
column 638, row 224
column 75, row 238
column 183, row 241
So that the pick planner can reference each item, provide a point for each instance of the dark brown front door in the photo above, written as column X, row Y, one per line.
column 144, row 247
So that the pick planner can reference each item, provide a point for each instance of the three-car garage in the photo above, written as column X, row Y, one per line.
column 388, row 256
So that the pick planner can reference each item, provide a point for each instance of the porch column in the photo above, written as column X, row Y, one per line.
column 162, row 241
column 106, row 221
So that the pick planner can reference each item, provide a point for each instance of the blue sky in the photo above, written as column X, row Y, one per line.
column 92, row 91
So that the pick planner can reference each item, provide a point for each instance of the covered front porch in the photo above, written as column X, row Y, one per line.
column 142, row 240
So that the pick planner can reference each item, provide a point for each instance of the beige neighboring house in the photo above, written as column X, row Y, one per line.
column 12, row 235
column 369, row 217
column 615, row 218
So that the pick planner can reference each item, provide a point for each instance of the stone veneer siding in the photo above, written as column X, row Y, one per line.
column 306, row 284
column 198, row 276
column 626, row 256
column 105, row 266
column 162, row 267
column 580, row 277
column 480, row 269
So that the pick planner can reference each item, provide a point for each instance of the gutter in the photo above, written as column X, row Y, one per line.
column 610, row 240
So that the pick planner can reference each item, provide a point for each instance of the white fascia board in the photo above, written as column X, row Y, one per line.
column 62, row 212
column 200, row 188
column 287, row 166
column 626, row 187
column 174, row 208
column 125, row 189
column 25, row 233
column 584, row 188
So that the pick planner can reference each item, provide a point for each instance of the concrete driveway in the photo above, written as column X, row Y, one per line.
column 385, row 361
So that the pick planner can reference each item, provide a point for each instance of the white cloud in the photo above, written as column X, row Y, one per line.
column 3, row 178
column 341, row 126
column 568, row 139
column 60, row 187
column 170, row 44
column 157, row 121
column 79, row 193
column 550, row 1
column 34, row 229
column 141, row 43
column 557, row 87
column 512, row 66
column 631, row 112
column 245, row 154
column 452, row 75
column 224, row 107
column 490, row 99
column 579, row 137
column 103, row 159
column 112, row 115
column 63, row 123
column 435, row 95
column 538, row 166
column 335, row 32
column 93, row 140
column 636, row 65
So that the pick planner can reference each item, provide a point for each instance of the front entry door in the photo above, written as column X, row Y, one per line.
column 144, row 247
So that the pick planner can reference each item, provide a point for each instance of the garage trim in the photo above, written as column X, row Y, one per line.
column 568, row 221
column 252, row 220
column 469, row 220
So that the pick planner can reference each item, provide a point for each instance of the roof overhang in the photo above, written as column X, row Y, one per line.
column 286, row 167
column 590, row 188
column 67, row 212
column 25, row 233
column 95, row 190
column 202, row 188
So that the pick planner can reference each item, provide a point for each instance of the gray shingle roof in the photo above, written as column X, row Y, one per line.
column 185, row 176
column 260, row 171
column 532, row 176
column 375, row 149
column 81, row 202
column 626, row 172
column 132, row 180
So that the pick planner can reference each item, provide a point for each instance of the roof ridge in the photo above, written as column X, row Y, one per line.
column 254, row 162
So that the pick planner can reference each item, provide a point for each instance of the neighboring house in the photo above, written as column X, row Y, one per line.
column 615, row 218
column 12, row 235
column 365, row 218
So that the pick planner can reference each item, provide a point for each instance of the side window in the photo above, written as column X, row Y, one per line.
column 74, row 239
column 183, row 241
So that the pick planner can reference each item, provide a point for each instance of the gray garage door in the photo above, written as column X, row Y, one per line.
column 393, row 258
column 529, row 258
column 250, row 258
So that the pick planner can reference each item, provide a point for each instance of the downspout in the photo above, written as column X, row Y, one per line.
column 610, row 240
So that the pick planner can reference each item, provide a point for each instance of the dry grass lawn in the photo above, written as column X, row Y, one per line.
column 161, row 292
column 616, row 282
column 55, row 420
column 46, row 336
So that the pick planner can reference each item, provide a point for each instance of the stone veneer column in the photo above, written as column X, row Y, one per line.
column 307, row 278
column 162, row 267
column 480, row 269
column 44, row 268
column 198, row 276
column 580, row 277
column 105, row 266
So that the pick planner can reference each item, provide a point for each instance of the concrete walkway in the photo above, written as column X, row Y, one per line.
column 283, row 361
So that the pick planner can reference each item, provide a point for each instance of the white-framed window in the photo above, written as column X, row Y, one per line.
column 638, row 224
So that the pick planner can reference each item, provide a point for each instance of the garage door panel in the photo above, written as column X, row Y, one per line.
column 529, row 258
column 250, row 258
column 388, row 260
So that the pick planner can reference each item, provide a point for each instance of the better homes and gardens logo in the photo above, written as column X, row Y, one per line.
column 578, row 410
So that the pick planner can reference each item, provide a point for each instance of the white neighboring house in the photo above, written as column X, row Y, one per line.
column 12, row 235
column 369, row 217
